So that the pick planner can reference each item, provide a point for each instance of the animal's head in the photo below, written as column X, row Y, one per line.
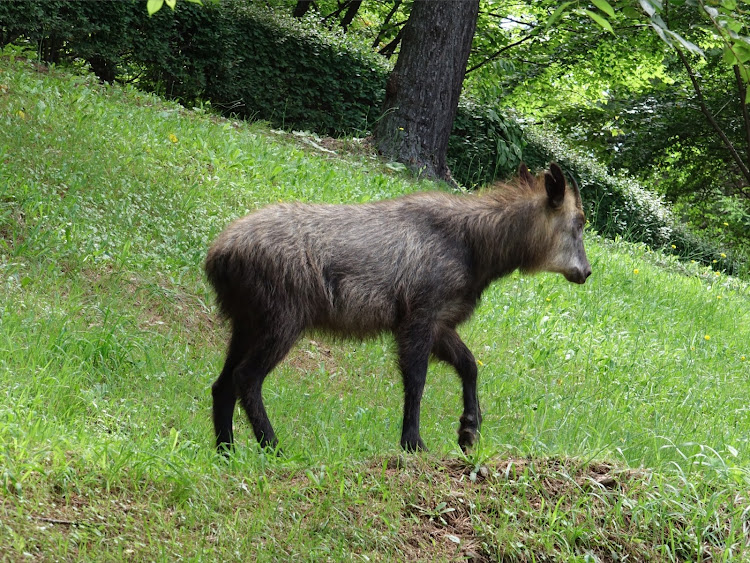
column 559, row 231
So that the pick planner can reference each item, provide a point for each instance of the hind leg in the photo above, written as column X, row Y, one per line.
column 450, row 348
column 270, row 349
column 223, row 391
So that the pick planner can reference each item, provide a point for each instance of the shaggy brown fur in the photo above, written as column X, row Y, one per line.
column 415, row 266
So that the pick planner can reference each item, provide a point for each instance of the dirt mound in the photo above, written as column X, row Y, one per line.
column 457, row 510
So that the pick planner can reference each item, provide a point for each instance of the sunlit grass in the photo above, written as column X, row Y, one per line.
column 109, row 343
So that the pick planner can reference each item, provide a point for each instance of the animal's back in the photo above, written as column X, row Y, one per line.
column 350, row 268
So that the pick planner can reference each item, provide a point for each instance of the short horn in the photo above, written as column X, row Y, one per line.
column 576, row 190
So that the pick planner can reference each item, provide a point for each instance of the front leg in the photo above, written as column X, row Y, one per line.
column 450, row 348
column 414, row 344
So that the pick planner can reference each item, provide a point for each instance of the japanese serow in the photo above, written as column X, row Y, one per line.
column 415, row 266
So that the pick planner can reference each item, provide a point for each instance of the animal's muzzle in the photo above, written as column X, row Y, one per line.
column 578, row 275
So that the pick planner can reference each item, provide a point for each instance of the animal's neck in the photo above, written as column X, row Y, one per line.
column 501, row 236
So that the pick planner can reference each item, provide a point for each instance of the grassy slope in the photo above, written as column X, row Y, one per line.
column 108, row 346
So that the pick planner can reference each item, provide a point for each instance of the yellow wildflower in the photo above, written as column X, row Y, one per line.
column 480, row 362
column 173, row 137
column 726, row 224
column 707, row 337
column 674, row 247
column 20, row 113
column 723, row 255
column 636, row 271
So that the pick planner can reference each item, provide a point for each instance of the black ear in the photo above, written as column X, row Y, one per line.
column 554, row 181
column 525, row 176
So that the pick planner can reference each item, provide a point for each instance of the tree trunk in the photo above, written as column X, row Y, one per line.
column 424, row 87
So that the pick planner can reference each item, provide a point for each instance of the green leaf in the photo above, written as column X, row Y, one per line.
column 745, row 74
column 732, row 25
column 154, row 6
column 600, row 20
column 631, row 12
column 648, row 7
column 171, row 3
column 604, row 6
column 557, row 13
column 712, row 12
column 660, row 32
column 692, row 47
column 728, row 57
column 743, row 50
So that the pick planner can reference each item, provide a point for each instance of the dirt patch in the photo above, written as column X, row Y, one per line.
column 161, row 304
column 361, row 148
column 308, row 356
column 451, row 506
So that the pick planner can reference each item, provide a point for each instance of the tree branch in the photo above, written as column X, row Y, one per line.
column 385, row 25
column 389, row 49
column 707, row 112
column 301, row 8
column 350, row 13
column 351, row 7
column 500, row 52
column 508, row 18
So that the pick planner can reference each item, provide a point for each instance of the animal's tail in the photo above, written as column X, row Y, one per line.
column 220, row 267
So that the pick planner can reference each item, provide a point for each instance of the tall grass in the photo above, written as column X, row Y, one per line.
column 109, row 199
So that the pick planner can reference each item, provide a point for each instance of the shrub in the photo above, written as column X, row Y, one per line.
column 110, row 36
column 294, row 74
column 484, row 145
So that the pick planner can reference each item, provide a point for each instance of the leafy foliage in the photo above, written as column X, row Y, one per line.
column 484, row 146
column 629, row 101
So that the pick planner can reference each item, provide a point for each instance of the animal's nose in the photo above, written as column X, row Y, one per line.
column 584, row 274
column 578, row 275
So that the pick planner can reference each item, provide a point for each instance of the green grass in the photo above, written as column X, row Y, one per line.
column 613, row 427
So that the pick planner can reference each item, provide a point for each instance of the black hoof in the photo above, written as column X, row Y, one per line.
column 271, row 448
column 413, row 446
column 467, row 437
column 224, row 448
